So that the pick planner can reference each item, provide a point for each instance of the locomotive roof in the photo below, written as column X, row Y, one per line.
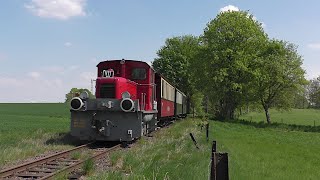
column 124, row 60
column 157, row 73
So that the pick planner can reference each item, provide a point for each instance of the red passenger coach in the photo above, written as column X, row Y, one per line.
column 165, row 98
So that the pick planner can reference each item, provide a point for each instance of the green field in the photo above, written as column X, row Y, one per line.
column 264, row 152
column 305, row 117
column 30, row 129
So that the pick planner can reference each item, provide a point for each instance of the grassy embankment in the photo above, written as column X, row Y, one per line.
column 254, row 153
column 30, row 129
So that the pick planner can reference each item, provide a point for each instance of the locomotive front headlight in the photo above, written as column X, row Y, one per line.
column 125, row 95
column 76, row 103
column 126, row 104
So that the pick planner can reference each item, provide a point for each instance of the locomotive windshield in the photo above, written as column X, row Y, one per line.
column 139, row 73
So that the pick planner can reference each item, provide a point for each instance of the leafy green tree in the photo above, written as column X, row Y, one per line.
column 74, row 92
column 229, row 43
column 279, row 75
column 174, row 60
column 301, row 100
column 197, row 103
column 314, row 92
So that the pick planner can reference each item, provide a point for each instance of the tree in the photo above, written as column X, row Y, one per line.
column 197, row 102
column 278, row 75
column 301, row 99
column 72, row 93
column 229, row 43
column 314, row 92
column 174, row 60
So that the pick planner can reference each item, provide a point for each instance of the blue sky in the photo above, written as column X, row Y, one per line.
column 49, row 46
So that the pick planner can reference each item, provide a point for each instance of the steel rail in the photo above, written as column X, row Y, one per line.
column 23, row 167
column 78, row 164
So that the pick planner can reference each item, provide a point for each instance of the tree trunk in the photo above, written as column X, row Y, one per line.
column 207, row 103
column 193, row 111
column 226, row 109
column 266, row 110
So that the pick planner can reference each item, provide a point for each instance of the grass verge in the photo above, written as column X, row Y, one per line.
column 254, row 153
column 170, row 154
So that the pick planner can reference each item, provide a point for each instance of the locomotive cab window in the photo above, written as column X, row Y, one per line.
column 139, row 73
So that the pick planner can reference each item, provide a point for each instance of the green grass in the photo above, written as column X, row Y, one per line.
column 170, row 154
column 305, row 117
column 269, row 153
column 88, row 166
column 76, row 155
column 254, row 153
column 30, row 129
column 35, row 109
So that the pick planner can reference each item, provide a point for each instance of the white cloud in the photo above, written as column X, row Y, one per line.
column 9, row 82
column 26, row 89
column 53, row 83
column 34, row 75
column 312, row 69
column 48, row 88
column 45, row 84
column 314, row 45
column 57, row 9
column 73, row 67
column 229, row 8
column 59, row 69
column 54, row 70
column 87, row 76
column 67, row 44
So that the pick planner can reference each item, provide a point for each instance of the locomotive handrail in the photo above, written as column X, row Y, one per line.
column 152, row 84
column 143, row 101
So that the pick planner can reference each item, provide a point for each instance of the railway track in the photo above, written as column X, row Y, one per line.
column 50, row 166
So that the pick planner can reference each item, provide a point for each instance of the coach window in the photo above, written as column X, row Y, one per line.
column 139, row 73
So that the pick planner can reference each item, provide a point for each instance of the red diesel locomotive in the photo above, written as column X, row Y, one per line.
column 131, row 99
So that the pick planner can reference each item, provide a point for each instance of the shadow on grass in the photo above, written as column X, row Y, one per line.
column 64, row 139
column 290, row 127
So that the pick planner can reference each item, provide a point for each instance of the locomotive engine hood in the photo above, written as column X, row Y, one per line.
column 114, row 88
